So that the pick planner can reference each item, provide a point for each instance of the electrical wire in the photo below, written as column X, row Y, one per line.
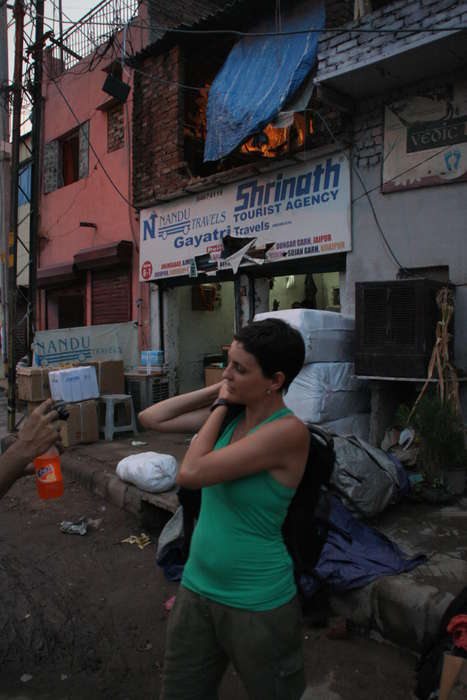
column 141, row 23
column 365, row 191
column 106, row 173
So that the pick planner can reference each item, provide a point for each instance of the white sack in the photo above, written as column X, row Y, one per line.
column 149, row 471
column 327, row 391
column 328, row 336
column 357, row 424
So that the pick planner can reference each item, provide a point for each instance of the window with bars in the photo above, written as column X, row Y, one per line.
column 66, row 159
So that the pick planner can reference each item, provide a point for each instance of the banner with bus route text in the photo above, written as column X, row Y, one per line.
column 291, row 213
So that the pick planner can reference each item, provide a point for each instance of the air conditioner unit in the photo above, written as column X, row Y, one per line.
column 396, row 326
column 146, row 390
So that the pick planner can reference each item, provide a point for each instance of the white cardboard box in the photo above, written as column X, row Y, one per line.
column 74, row 384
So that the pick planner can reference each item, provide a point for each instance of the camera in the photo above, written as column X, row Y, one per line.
column 60, row 407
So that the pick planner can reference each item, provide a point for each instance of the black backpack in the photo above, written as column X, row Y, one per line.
column 306, row 525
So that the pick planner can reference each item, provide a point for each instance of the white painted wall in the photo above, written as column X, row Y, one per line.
column 201, row 333
column 424, row 227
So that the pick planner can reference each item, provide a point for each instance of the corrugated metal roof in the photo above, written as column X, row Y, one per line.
column 182, row 13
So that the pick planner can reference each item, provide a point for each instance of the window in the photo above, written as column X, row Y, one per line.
column 24, row 189
column 69, row 158
column 66, row 159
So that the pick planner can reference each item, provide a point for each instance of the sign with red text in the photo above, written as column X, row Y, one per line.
column 292, row 213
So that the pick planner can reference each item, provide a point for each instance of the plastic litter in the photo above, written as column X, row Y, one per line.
column 169, row 603
column 142, row 540
column 138, row 443
column 25, row 678
column 94, row 524
column 79, row 527
column 406, row 438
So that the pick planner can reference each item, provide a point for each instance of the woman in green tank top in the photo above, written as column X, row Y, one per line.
column 237, row 600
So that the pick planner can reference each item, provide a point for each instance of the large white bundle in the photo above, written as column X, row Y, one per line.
column 328, row 336
column 149, row 471
column 327, row 391
column 357, row 424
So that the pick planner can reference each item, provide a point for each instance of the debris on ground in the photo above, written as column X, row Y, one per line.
column 169, row 603
column 95, row 523
column 338, row 629
column 142, row 540
column 79, row 527
column 138, row 443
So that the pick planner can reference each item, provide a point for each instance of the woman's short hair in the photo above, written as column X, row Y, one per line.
column 276, row 346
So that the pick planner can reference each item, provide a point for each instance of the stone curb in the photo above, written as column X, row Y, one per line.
column 394, row 607
column 110, row 487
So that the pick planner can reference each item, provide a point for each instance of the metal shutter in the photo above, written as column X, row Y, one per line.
column 111, row 296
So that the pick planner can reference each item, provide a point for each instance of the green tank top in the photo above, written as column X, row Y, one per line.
column 237, row 553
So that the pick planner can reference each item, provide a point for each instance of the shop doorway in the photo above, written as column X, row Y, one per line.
column 206, row 316
column 66, row 307
column 309, row 291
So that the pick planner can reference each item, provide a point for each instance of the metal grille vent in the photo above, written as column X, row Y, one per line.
column 375, row 327
column 403, row 315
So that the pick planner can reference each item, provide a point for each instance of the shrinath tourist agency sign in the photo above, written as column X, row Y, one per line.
column 288, row 213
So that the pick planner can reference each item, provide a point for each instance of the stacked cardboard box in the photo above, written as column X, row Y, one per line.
column 75, row 384
column 33, row 383
column 82, row 425
column 110, row 376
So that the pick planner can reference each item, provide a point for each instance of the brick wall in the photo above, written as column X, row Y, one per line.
column 343, row 51
column 115, row 129
column 158, row 165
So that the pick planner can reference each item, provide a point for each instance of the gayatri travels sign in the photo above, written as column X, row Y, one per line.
column 290, row 213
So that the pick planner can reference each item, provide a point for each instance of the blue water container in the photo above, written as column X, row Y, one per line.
column 152, row 357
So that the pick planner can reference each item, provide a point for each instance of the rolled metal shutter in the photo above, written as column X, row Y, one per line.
column 111, row 295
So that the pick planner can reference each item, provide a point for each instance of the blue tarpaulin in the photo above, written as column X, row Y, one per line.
column 356, row 554
column 260, row 75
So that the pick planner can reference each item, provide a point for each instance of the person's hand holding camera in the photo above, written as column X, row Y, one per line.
column 39, row 431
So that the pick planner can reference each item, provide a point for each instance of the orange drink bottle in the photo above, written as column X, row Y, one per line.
column 48, row 474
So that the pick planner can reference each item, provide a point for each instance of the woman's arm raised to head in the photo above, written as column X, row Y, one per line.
column 280, row 447
column 184, row 413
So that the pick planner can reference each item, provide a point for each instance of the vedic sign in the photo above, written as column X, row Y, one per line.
column 303, row 211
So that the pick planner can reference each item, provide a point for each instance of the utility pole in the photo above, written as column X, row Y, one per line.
column 4, row 175
column 13, row 234
column 35, row 172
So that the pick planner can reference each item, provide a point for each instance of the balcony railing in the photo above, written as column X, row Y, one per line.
column 94, row 29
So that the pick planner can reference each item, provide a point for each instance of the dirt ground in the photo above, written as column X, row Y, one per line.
column 84, row 616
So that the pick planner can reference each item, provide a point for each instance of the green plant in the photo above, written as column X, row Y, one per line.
column 441, row 435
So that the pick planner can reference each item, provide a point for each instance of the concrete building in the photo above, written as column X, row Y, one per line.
column 388, row 100
column 88, row 240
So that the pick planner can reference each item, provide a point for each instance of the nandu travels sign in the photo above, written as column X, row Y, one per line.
column 292, row 212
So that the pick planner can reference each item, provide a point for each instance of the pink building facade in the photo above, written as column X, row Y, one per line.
column 88, row 238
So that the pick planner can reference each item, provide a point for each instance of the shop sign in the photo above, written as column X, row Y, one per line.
column 290, row 213
column 109, row 341
column 425, row 139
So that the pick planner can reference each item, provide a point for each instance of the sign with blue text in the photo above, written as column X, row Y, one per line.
column 289, row 213
column 109, row 341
